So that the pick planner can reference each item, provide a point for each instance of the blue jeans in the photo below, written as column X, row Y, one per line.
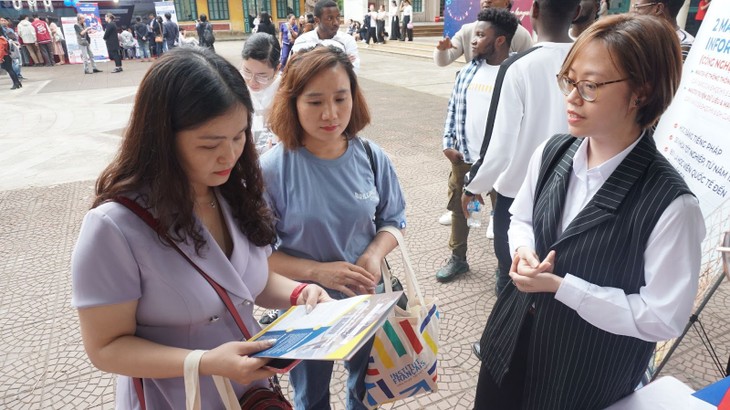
column 144, row 48
column 285, row 51
column 311, row 379
column 17, row 64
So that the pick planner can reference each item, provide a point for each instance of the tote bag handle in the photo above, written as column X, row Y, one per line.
column 410, row 277
column 192, row 384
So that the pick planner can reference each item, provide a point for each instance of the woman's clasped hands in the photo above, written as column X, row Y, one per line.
column 530, row 275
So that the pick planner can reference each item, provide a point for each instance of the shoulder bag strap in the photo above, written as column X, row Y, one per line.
column 371, row 158
column 153, row 223
column 494, row 103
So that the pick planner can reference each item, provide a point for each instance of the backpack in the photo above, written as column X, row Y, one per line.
column 4, row 48
column 208, row 35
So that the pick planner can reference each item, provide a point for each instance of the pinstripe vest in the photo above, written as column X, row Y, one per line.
column 571, row 363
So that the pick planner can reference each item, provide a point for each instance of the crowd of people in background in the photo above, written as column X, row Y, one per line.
column 38, row 41
column 381, row 25
column 32, row 42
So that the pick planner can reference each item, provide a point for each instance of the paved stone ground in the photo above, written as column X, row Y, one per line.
column 63, row 127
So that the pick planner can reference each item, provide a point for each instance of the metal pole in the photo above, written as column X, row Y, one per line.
column 692, row 320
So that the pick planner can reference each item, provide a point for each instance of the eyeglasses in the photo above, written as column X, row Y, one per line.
column 259, row 78
column 636, row 7
column 588, row 90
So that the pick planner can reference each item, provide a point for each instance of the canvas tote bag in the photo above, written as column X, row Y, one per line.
column 403, row 359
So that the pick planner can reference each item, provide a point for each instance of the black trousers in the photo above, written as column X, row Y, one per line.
column 371, row 35
column 115, row 55
column 502, row 219
column 407, row 33
column 7, row 65
column 508, row 395
column 381, row 28
column 394, row 28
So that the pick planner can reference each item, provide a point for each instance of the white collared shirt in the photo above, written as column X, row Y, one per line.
column 672, row 256
column 311, row 39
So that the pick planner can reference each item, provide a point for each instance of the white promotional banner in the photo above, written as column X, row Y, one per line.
column 692, row 134
column 74, row 51
column 162, row 7
column 90, row 11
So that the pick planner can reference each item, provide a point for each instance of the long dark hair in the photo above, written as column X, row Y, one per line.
column 185, row 88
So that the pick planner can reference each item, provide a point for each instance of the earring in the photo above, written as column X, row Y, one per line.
column 637, row 101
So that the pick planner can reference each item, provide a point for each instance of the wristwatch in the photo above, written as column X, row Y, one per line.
column 466, row 182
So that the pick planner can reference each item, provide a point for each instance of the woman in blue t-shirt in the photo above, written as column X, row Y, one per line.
column 329, row 196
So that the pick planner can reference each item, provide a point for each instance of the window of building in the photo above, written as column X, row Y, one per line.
column 186, row 10
column 218, row 10
column 417, row 6
column 284, row 7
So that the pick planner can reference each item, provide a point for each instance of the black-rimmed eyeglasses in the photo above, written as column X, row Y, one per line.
column 588, row 90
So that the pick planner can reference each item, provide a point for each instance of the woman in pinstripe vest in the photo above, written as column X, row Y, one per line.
column 605, row 234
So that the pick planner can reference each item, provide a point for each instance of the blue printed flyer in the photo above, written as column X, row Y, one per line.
column 331, row 331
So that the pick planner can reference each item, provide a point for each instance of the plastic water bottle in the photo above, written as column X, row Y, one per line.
column 474, row 219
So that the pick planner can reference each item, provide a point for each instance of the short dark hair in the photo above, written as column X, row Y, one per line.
column 22, row 17
column 183, row 89
column 321, row 5
column 560, row 9
column 503, row 22
column 203, row 18
column 673, row 6
column 168, row 16
column 262, row 47
column 138, row 19
column 35, row 15
column 301, row 68
column 646, row 49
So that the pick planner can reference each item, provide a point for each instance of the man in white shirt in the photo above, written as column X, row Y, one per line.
column 450, row 49
column 327, row 19
column 466, row 119
column 529, row 109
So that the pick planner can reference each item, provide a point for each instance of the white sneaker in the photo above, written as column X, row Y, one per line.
column 445, row 219
column 490, row 228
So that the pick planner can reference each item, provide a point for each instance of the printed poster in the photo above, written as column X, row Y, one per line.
column 332, row 331
column 74, row 51
column 162, row 7
column 460, row 12
column 692, row 134
column 91, row 15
